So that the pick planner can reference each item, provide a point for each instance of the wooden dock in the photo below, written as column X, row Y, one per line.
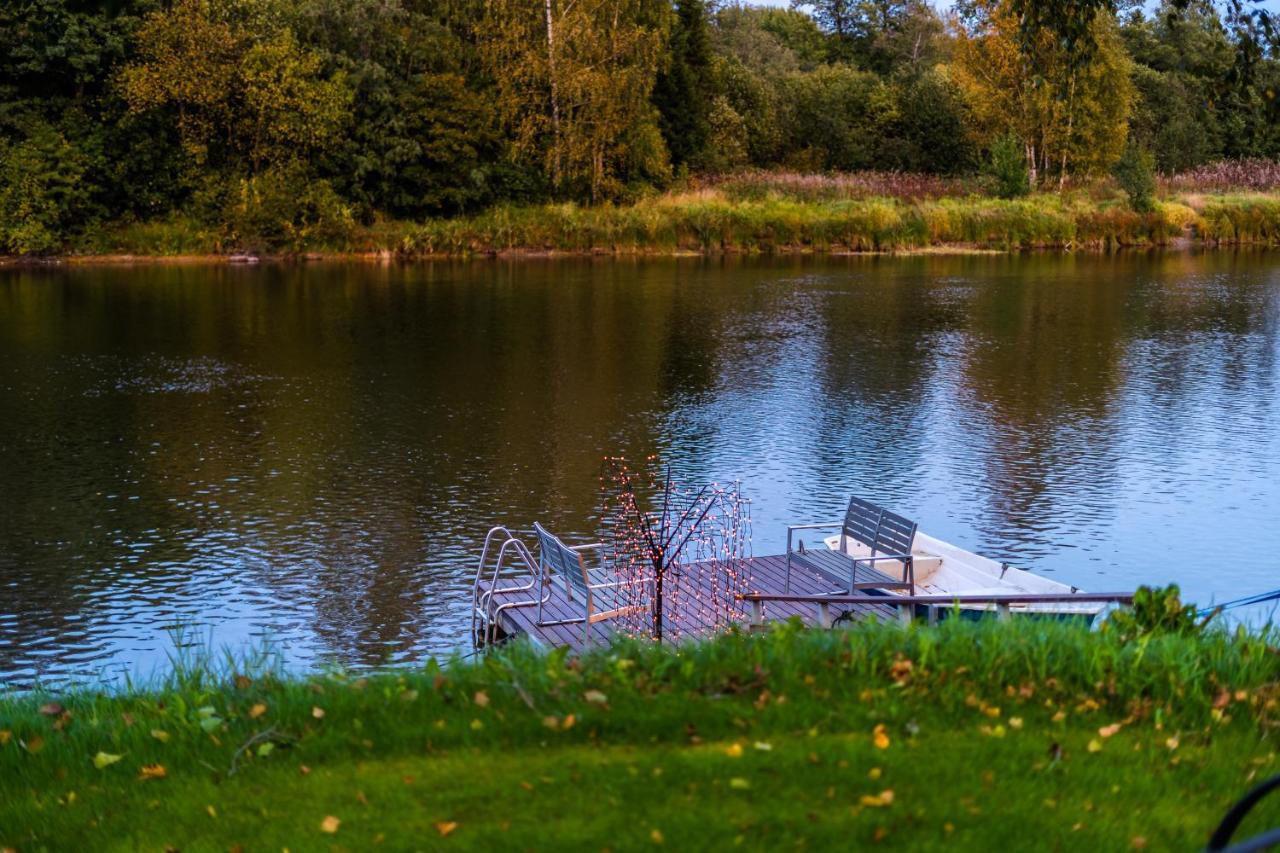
column 767, row 575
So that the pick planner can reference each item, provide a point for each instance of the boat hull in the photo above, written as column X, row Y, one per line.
column 945, row 569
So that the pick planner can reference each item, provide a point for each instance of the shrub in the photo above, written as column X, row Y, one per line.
column 43, row 192
column 1009, row 168
column 282, row 208
column 1155, row 611
column 1135, row 172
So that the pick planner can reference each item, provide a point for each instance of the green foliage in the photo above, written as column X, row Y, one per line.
column 1172, row 119
column 1200, row 98
column 281, row 208
column 931, row 131
column 1136, row 175
column 726, row 146
column 1008, row 168
column 682, row 91
column 1155, row 611
column 240, row 98
column 836, row 118
column 133, row 112
column 43, row 193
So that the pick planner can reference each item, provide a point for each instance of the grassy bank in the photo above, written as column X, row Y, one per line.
column 962, row 735
column 776, row 217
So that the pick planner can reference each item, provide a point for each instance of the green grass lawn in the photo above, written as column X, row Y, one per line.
column 961, row 736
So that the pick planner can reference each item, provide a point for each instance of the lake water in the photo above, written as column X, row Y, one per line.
column 311, row 454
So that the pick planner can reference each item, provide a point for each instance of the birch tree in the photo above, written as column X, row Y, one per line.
column 1070, row 113
column 573, row 80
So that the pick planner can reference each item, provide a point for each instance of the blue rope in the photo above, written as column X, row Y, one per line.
column 1260, row 598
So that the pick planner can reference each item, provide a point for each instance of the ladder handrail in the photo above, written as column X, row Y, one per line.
column 522, row 551
column 480, row 602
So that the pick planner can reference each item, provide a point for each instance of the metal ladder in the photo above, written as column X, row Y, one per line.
column 503, row 558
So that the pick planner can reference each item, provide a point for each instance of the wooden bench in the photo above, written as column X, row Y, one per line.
column 887, row 535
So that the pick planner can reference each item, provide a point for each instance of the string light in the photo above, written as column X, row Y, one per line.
column 682, row 553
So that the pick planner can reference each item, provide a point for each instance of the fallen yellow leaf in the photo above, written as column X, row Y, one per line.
column 1108, row 731
column 1095, row 745
column 874, row 773
column 763, row 746
column 481, row 698
column 317, row 712
column 1015, row 722
column 446, row 827
column 5, row 735
column 569, row 720
column 257, row 711
column 211, row 811
column 734, row 750
column 1172, row 743
column 105, row 759
column 160, row 735
column 152, row 771
column 880, row 737
column 739, row 783
column 330, row 824
column 656, row 836
column 595, row 697
column 884, row 798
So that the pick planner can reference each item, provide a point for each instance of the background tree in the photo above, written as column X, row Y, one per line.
column 573, row 80
column 423, row 137
column 683, row 90
column 239, row 94
column 1068, row 114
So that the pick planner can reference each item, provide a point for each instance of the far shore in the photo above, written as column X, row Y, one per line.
column 389, row 258
column 713, row 223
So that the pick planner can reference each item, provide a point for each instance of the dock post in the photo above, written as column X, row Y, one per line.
column 824, row 615
column 757, row 614
column 904, row 613
column 1002, row 612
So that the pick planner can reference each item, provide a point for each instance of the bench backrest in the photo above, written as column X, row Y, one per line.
column 559, row 558
column 883, row 531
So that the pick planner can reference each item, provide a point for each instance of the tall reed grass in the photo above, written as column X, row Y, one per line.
column 712, row 221
column 1245, row 174
column 774, row 213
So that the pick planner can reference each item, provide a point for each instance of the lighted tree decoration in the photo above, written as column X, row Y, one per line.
column 682, row 551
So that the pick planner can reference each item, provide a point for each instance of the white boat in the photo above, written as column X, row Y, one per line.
column 943, row 569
